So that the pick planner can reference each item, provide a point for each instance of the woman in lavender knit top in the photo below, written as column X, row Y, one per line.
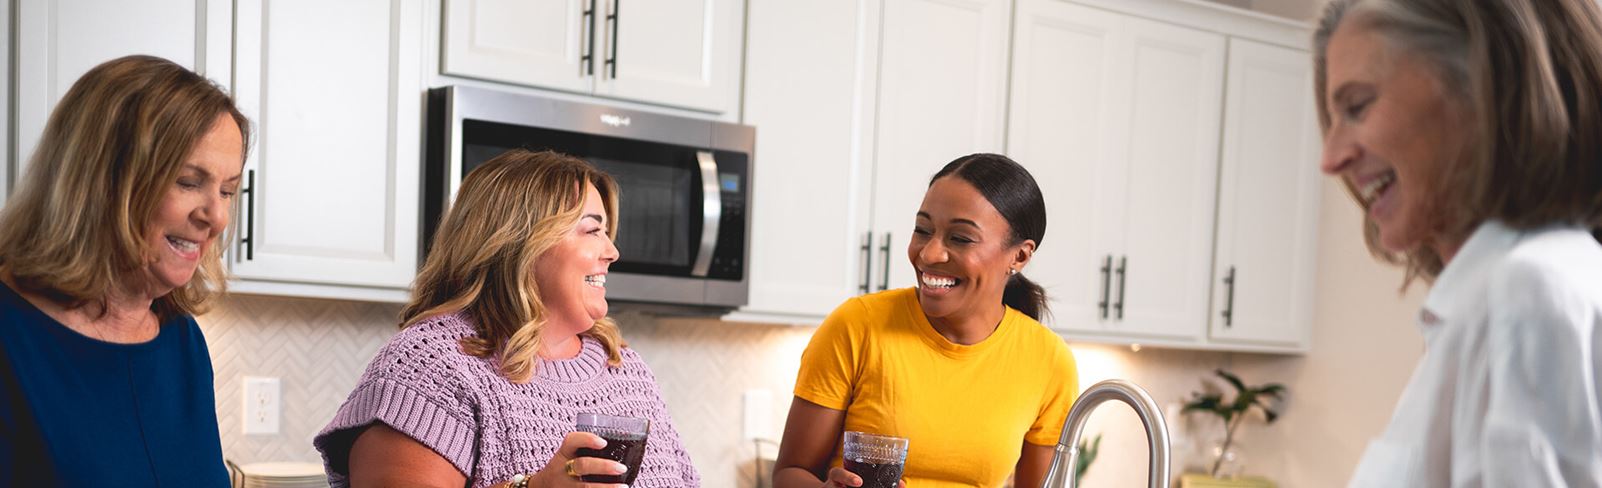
column 505, row 343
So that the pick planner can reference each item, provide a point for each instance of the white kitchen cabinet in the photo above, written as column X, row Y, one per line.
column 1268, row 199
column 1171, row 168
column 336, row 90
column 942, row 93
column 808, row 188
column 57, row 41
column 1118, row 118
column 540, row 43
column 8, row 162
column 683, row 53
column 1066, row 87
column 851, row 125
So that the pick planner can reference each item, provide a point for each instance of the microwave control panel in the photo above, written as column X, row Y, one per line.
column 728, row 257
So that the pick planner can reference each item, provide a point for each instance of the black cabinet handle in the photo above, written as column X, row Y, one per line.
column 1106, row 286
column 587, row 58
column 1123, row 276
column 612, row 21
column 884, row 251
column 248, row 241
column 867, row 262
column 1229, row 297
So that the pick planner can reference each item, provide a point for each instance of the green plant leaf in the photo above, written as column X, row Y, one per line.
column 1233, row 380
column 1204, row 403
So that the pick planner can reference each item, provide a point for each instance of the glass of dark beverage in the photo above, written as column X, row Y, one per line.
column 625, row 443
column 878, row 459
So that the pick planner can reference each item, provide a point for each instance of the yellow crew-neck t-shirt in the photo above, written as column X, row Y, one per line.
column 966, row 409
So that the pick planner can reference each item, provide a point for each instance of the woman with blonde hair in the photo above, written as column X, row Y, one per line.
column 109, row 247
column 1471, row 134
column 505, row 342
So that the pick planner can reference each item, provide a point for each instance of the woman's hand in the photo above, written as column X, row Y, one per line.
column 840, row 478
column 557, row 474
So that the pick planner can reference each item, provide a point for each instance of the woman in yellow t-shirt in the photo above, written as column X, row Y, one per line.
column 959, row 365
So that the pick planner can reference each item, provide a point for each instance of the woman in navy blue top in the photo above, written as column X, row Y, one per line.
column 109, row 247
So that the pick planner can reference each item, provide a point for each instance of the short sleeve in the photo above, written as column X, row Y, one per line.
column 412, row 387
column 829, row 365
column 1542, row 425
column 1062, row 390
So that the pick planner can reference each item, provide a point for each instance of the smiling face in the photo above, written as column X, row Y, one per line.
column 962, row 251
column 1392, row 133
column 194, row 211
column 572, row 274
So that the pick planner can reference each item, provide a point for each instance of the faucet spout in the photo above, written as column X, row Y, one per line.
column 1067, row 457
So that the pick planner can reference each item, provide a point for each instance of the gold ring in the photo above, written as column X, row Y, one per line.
column 571, row 473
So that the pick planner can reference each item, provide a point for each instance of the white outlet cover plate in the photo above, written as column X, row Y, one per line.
column 262, row 402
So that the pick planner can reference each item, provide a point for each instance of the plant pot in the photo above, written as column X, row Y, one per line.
column 1204, row 481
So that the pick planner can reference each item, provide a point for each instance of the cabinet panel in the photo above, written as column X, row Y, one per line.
column 336, row 164
column 804, row 257
column 57, row 41
column 675, row 52
column 518, row 41
column 8, row 161
column 1268, row 198
column 1065, row 89
column 1172, row 169
column 941, row 94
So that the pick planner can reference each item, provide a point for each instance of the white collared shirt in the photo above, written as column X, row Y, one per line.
column 1509, row 391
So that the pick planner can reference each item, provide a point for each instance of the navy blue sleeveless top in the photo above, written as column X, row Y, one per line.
column 75, row 411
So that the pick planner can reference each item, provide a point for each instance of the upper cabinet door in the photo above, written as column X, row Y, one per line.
column 1066, row 92
column 941, row 95
column 674, row 52
column 1172, row 164
column 540, row 43
column 336, row 91
column 805, row 249
column 57, row 41
column 1268, row 199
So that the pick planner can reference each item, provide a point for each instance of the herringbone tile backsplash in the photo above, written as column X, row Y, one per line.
column 319, row 349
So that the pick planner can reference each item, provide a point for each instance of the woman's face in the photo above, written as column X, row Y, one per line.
column 195, row 209
column 961, row 250
column 1392, row 133
column 572, row 275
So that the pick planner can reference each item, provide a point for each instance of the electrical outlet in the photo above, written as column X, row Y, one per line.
column 261, row 403
column 758, row 409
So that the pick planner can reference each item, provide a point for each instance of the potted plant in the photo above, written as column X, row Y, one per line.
column 1234, row 411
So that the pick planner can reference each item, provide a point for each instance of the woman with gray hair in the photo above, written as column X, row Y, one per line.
column 1471, row 134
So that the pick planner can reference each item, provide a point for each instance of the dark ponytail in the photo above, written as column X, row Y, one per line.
column 1013, row 192
column 1026, row 296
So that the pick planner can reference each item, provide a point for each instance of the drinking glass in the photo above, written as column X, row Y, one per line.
column 625, row 443
column 878, row 459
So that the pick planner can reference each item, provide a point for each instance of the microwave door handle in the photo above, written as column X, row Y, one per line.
column 711, row 213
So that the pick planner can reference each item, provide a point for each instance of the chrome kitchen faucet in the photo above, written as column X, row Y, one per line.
column 1067, row 455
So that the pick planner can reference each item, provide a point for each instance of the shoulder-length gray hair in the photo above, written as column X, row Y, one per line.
column 1528, row 72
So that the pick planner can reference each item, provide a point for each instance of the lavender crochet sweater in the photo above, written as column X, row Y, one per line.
column 421, row 384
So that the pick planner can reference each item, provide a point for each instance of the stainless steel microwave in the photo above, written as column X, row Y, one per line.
column 685, row 185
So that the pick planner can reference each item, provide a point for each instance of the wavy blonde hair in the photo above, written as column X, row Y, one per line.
column 507, row 213
column 112, row 149
column 1528, row 72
